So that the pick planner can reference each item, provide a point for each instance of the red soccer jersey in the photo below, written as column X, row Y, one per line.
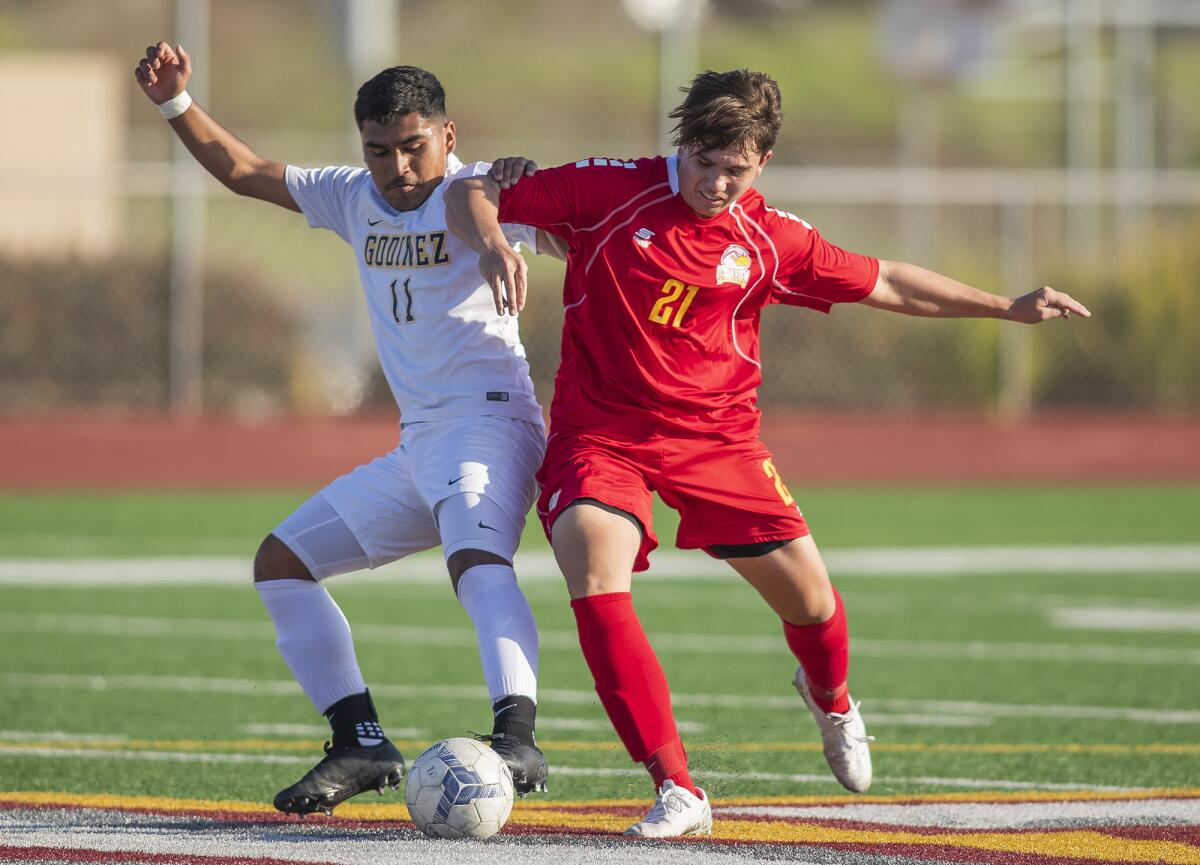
column 660, row 334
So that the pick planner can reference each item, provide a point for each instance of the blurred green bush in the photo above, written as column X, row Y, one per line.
column 1140, row 349
column 85, row 335
column 93, row 334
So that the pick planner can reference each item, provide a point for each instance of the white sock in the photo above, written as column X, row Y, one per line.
column 314, row 638
column 504, row 628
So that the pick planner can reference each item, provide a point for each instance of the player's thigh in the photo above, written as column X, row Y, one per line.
column 595, row 548
column 607, row 476
column 383, row 510
column 491, row 457
column 792, row 579
column 469, row 521
column 313, row 541
column 727, row 493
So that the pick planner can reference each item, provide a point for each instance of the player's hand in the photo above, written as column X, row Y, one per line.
column 164, row 72
column 505, row 271
column 510, row 169
column 1043, row 304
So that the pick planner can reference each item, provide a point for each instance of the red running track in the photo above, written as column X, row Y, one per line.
column 98, row 452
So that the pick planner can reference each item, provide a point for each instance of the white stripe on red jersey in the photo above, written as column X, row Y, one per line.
column 667, row 342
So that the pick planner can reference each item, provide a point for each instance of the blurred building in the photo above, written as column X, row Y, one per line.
column 61, row 164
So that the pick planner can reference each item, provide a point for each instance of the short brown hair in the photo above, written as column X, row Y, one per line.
column 738, row 108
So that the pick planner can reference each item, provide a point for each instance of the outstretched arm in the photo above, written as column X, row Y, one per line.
column 914, row 290
column 508, row 171
column 163, row 74
column 473, row 213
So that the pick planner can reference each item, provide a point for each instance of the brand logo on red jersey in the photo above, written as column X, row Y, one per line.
column 642, row 237
column 734, row 266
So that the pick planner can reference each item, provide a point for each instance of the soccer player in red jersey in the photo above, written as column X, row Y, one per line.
column 670, row 263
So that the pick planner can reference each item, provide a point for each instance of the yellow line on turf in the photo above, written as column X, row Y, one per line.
column 973, row 796
column 910, row 748
column 302, row 746
column 385, row 811
column 150, row 803
column 1082, row 844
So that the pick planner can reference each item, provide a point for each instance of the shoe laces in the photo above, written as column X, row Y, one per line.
column 668, row 800
column 843, row 719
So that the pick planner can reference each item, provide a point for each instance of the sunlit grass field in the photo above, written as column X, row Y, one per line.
column 1002, row 680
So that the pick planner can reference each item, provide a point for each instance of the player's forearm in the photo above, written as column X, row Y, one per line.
column 229, row 159
column 473, row 213
column 913, row 290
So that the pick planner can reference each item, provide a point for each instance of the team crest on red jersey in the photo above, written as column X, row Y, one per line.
column 734, row 266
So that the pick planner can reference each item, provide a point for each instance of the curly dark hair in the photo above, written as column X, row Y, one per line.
column 397, row 91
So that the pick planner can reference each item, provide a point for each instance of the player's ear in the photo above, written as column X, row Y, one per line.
column 451, row 136
column 766, row 157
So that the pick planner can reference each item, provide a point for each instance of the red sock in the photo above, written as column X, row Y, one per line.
column 631, row 684
column 670, row 763
column 823, row 650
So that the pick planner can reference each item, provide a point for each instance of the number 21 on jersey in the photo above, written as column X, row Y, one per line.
column 665, row 312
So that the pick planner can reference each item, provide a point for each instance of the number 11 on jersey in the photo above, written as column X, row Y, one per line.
column 408, row 316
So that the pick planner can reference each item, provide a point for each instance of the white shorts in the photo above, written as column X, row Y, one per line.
column 388, row 508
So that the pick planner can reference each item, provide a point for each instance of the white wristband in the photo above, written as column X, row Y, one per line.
column 172, row 108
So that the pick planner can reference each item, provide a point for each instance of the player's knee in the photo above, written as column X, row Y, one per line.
column 276, row 561
column 812, row 604
column 463, row 560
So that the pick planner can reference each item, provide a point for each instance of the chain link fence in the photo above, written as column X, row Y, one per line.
column 89, row 199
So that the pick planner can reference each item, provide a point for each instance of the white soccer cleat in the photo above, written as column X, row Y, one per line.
column 844, row 739
column 676, row 812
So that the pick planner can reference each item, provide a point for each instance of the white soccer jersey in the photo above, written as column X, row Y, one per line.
column 444, row 350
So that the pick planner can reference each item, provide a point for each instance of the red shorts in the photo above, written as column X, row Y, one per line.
column 725, row 493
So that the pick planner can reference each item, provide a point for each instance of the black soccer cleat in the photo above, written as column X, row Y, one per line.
column 342, row 773
column 527, row 762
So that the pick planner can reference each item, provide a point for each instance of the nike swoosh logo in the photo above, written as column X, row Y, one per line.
column 376, row 222
column 489, row 528
column 504, row 709
column 456, row 480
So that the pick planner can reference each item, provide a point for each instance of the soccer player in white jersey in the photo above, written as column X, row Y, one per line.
column 463, row 474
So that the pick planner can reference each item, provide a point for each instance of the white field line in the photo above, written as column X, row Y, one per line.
column 593, row 725
column 164, row 756
column 316, row 731
column 666, row 565
column 560, row 696
column 59, row 736
column 1143, row 619
column 989, row 815
column 720, row 644
column 918, row 781
column 766, row 777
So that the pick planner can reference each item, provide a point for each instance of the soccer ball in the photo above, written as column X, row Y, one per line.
column 459, row 788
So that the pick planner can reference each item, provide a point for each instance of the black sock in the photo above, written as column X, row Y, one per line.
column 354, row 721
column 514, row 718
